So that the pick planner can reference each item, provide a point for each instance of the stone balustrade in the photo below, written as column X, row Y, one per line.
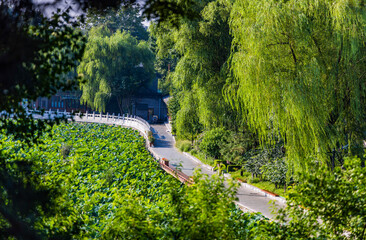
column 124, row 120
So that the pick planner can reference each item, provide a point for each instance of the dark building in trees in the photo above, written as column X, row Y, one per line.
column 69, row 101
column 145, row 103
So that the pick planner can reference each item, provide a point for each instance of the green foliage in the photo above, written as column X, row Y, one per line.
column 254, row 180
column 197, row 53
column 65, row 150
column 104, row 164
column 184, row 145
column 329, row 205
column 237, row 145
column 173, row 108
column 212, row 141
column 35, row 56
column 113, row 65
column 187, row 123
column 202, row 211
column 267, row 159
column 150, row 137
column 29, row 197
column 124, row 19
column 233, row 168
column 275, row 171
column 298, row 71
column 166, row 55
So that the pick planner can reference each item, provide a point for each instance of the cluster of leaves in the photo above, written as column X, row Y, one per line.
column 268, row 160
column 51, row 47
column 328, row 205
column 237, row 146
column 123, row 19
column 173, row 108
column 267, row 163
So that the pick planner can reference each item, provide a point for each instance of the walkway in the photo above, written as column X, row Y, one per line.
column 164, row 148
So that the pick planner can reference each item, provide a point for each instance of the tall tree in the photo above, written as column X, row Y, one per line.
column 114, row 65
column 202, row 47
column 299, row 72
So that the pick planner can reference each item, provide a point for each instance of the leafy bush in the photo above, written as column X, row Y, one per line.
column 187, row 122
column 184, row 145
column 219, row 164
column 256, row 159
column 212, row 142
column 254, row 164
column 253, row 180
column 337, row 198
column 173, row 108
column 275, row 171
column 150, row 137
column 238, row 143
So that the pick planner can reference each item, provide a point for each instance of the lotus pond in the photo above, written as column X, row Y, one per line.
column 104, row 184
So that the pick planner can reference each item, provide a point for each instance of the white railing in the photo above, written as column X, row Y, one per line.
column 125, row 120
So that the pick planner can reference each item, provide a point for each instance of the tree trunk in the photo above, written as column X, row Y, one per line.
column 119, row 101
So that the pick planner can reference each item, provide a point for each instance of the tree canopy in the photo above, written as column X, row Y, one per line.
column 113, row 65
column 124, row 19
column 197, row 53
column 298, row 71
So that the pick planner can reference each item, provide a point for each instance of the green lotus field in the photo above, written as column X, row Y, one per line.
column 101, row 182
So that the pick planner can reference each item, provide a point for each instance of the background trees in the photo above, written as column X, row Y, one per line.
column 113, row 65
column 123, row 19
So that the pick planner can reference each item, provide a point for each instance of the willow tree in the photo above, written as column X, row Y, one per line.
column 202, row 46
column 114, row 65
column 299, row 71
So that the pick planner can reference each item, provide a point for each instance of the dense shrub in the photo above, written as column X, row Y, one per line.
column 213, row 141
column 256, row 159
column 254, row 180
column 275, row 171
column 238, row 143
column 184, row 145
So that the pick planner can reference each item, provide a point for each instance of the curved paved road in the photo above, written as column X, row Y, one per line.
column 164, row 148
